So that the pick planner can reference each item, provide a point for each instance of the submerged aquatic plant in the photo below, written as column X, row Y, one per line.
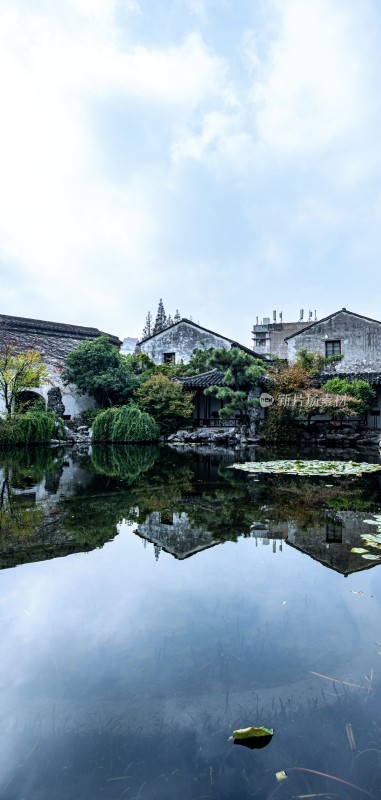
column 372, row 541
column 299, row 467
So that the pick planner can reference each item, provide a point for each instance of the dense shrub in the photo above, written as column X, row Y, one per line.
column 357, row 388
column 167, row 402
column 34, row 427
column 125, row 424
column 280, row 425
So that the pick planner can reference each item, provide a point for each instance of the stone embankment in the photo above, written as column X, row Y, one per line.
column 326, row 435
column 341, row 436
column 231, row 437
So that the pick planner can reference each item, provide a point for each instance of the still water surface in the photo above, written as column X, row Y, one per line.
column 154, row 601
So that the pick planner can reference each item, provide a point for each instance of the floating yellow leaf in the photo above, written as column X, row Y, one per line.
column 248, row 733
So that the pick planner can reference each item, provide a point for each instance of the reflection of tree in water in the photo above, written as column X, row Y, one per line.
column 198, row 486
column 131, row 482
column 93, row 520
column 226, row 511
column 22, row 469
column 125, row 462
column 305, row 502
column 229, row 510
column 138, row 483
column 161, row 491
column 28, row 466
column 17, row 519
column 228, row 504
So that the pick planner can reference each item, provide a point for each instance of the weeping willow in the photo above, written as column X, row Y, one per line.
column 125, row 424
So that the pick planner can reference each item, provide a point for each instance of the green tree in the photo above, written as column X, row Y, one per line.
column 97, row 368
column 242, row 374
column 301, row 374
column 314, row 363
column 199, row 362
column 166, row 401
column 19, row 372
column 359, row 389
column 161, row 319
column 147, row 330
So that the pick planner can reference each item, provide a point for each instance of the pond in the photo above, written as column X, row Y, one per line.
column 155, row 600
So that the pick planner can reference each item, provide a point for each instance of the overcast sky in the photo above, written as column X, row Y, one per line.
column 224, row 155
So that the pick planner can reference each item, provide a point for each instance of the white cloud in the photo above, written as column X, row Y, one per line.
column 115, row 133
column 62, row 216
column 90, row 56
column 309, row 91
column 222, row 144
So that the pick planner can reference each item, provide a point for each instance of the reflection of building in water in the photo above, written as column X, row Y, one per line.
column 332, row 544
column 58, row 483
column 175, row 534
column 32, row 525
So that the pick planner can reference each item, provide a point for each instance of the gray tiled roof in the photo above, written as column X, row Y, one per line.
column 53, row 328
column 324, row 319
column 213, row 377
column 233, row 343
column 371, row 377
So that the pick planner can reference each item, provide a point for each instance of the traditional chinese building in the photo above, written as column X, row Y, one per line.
column 355, row 340
column 53, row 340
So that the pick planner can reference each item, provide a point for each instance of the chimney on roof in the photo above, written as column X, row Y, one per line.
column 301, row 314
column 274, row 316
column 309, row 316
column 315, row 315
column 281, row 316
column 256, row 320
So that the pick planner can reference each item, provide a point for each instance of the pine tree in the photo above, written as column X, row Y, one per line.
column 169, row 321
column 177, row 317
column 147, row 330
column 161, row 319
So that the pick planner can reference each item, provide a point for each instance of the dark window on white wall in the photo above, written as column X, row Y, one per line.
column 169, row 358
column 333, row 348
column 334, row 532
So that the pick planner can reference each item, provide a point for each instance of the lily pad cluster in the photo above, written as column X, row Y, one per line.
column 372, row 541
column 296, row 467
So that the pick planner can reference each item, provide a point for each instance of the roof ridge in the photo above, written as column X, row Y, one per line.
column 50, row 326
column 329, row 316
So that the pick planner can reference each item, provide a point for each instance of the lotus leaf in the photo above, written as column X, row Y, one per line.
column 298, row 467
column 371, row 540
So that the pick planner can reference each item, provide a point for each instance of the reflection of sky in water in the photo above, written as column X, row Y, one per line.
column 116, row 635
column 123, row 676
